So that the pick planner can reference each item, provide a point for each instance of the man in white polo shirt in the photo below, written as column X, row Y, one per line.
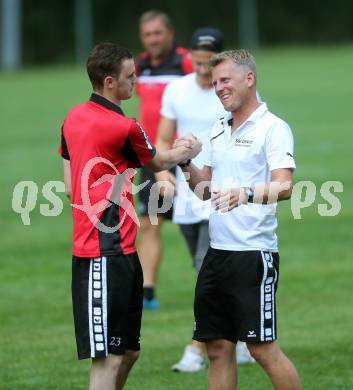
column 190, row 104
column 250, row 168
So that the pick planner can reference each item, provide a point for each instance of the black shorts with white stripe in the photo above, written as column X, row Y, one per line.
column 107, row 296
column 235, row 296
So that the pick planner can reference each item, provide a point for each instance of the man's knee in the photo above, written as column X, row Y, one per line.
column 220, row 349
column 110, row 363
column 146, row 226
column 130, row 357
column 261, row 352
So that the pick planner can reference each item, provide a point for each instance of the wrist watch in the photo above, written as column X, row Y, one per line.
column 250, row 194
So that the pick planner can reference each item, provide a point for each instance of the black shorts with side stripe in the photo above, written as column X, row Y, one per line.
column 235, row 296
column 107, row 296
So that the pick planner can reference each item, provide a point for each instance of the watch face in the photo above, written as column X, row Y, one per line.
column 249, row 192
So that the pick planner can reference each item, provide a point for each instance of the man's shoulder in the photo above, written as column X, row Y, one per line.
column 182, row 82
column 182, row 51
column 142, row 57
column 275, row 122
column 77, row 109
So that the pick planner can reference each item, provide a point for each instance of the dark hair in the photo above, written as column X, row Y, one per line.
column 105, row 60
column 154, row 14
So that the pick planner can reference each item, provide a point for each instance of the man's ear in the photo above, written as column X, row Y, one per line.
column 109, row 82
column 250, row 78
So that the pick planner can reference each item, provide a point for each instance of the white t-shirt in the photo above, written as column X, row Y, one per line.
column 194, row 110
column 246, row 158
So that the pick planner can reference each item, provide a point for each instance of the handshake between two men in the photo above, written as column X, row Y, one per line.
column 191, row 142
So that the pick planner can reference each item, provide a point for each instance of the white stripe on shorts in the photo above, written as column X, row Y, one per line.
column 97, row 306
column 268, row 298
column 273, row 300
column 262, row 303
column 90, row 309
column 105, row 294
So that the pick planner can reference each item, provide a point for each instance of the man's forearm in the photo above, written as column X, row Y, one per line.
column 170, row 158
column 198, row 182
column 272, row 192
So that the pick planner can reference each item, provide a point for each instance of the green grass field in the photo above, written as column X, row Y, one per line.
column 312, row 90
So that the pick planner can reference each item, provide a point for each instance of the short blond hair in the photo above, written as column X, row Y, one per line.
column 239, row 57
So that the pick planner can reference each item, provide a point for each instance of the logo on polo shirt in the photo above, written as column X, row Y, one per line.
column 243, row 142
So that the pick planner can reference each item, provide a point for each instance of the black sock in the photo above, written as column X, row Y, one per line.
column 148, row 293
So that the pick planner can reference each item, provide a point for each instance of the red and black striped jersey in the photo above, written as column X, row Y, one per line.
column 102, row 144
column 151, row 82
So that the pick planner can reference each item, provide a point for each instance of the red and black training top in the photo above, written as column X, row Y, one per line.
column 151, row 82
column 101, row 144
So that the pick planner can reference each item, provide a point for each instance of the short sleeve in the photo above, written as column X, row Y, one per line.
column 280, row 147
column 168, row 102
column 137, row 148
column 63, row 150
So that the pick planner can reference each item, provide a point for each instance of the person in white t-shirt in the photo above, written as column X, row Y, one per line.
column 190, row 104
column 249, row 168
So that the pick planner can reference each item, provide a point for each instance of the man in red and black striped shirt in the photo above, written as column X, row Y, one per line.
column 100, row 149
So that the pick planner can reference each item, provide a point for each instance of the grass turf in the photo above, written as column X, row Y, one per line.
column 311, row 90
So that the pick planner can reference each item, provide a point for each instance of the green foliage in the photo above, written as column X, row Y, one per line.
column 311, row 90
column 48, row 25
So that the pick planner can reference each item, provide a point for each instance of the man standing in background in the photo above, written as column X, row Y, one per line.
column 161, row 63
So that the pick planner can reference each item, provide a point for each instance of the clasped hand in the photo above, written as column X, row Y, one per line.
column 191, row 142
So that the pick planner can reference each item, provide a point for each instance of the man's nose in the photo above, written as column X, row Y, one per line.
column 218, row 86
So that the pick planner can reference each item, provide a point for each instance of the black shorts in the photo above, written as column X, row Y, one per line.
column 107, row 296
column 146, row 175
column 235, row 296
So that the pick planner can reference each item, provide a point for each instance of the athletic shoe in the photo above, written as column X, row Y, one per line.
column 191, row 361
column 242, row 354
column 150, row 304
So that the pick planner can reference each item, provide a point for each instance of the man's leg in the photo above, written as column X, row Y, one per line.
column 128, row 361
column 104, row 372
column 202, row 244
column 278, row 367
column 193, row 356
column 150, row 249
column 222, row 370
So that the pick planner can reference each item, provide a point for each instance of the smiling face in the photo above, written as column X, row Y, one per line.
column 156, row 37
column 233, row 84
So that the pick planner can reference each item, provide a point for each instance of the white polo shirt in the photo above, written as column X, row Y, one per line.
column 246, row 158
column 195, row 110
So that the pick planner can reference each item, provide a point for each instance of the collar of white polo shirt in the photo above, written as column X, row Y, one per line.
column 253, row 118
